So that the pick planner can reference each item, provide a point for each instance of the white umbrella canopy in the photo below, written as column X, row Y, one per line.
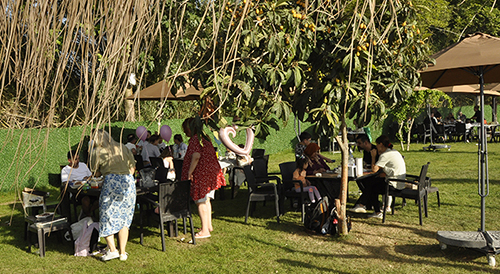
column 462, row 62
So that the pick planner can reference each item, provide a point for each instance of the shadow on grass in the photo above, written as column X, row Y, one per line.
column 13, row 235
column 419, row 255
column 299, row 264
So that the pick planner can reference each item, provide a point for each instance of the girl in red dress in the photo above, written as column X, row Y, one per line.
column 201, row 166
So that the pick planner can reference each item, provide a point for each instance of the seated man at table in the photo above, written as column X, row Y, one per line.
column 370, row 157
column 150, row 149
column 461, row 117
column 392, row 165
column 76, row 171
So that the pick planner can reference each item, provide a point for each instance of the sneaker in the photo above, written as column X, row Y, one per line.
column 388, row 209
column 378, row 215
column 123, row 257
column 110, row 255
column 358, row 209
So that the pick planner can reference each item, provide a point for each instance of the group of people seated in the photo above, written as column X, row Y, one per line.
column 437, row 119
column 383, row 161
column 154, row 146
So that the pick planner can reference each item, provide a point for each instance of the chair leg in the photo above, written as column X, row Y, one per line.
column 426, row 198
column 41, row 241
column 248, row 210
column 420, row 210
column 162, row 230
column 303, row 212
column 184, row 223
column 192, row 230
column 439, row 201
column 384, row 205
column 141, row 224
column 277, row 205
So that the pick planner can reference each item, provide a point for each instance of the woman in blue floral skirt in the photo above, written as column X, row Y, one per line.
column 116, row 163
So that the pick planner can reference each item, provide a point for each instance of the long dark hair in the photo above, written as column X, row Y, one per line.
column 300, row 162
column 384, row 140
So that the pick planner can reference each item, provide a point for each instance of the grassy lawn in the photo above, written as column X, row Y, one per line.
column 262, row 246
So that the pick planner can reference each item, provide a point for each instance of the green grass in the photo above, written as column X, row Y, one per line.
column 263, row 246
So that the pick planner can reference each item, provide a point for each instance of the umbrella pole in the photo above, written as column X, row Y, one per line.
column 483, row 181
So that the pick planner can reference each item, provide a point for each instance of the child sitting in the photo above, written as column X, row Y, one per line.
column 300, row 175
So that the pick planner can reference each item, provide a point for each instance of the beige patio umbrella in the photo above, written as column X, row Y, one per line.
column 162, row 91
column 473, row 60
column 489, row 89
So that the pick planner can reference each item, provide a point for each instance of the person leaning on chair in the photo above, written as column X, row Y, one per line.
column 76, row 171
column 392, row 164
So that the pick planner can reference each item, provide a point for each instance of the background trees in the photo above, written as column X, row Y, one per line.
column 67, row 62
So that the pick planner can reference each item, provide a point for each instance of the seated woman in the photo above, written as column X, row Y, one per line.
column 393, row 166
column 300, row 175
column 316, row 164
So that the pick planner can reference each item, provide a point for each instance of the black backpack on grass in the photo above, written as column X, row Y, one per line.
column 331, row 225
column 323, row 220
column 317, row 215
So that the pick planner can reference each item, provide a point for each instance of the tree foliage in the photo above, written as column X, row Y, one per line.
column 405, row 113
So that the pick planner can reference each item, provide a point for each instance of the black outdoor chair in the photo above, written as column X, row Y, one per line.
column 418, row 194
column 288, row 186
column 460, row 132
column 173, row 202
column 33, row 201
column 423, row 133
column 139, row 163
column 178, row 168
column 258, row 153
column 439, row 132
column 161, row 171
column 431, row 189
column 261, row 192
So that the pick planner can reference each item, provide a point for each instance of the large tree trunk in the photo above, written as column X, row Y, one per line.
column 344, row 148
column 129, row 107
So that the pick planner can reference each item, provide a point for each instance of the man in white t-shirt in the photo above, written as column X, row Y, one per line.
column 131, row 140
column 76, row 171
column 150, row 149
column 180, row 148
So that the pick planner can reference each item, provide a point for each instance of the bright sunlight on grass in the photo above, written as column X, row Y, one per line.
column 263, row 246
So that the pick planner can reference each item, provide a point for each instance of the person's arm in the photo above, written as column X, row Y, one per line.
column 373, row 153
column 195, row 158
column 325, row 158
